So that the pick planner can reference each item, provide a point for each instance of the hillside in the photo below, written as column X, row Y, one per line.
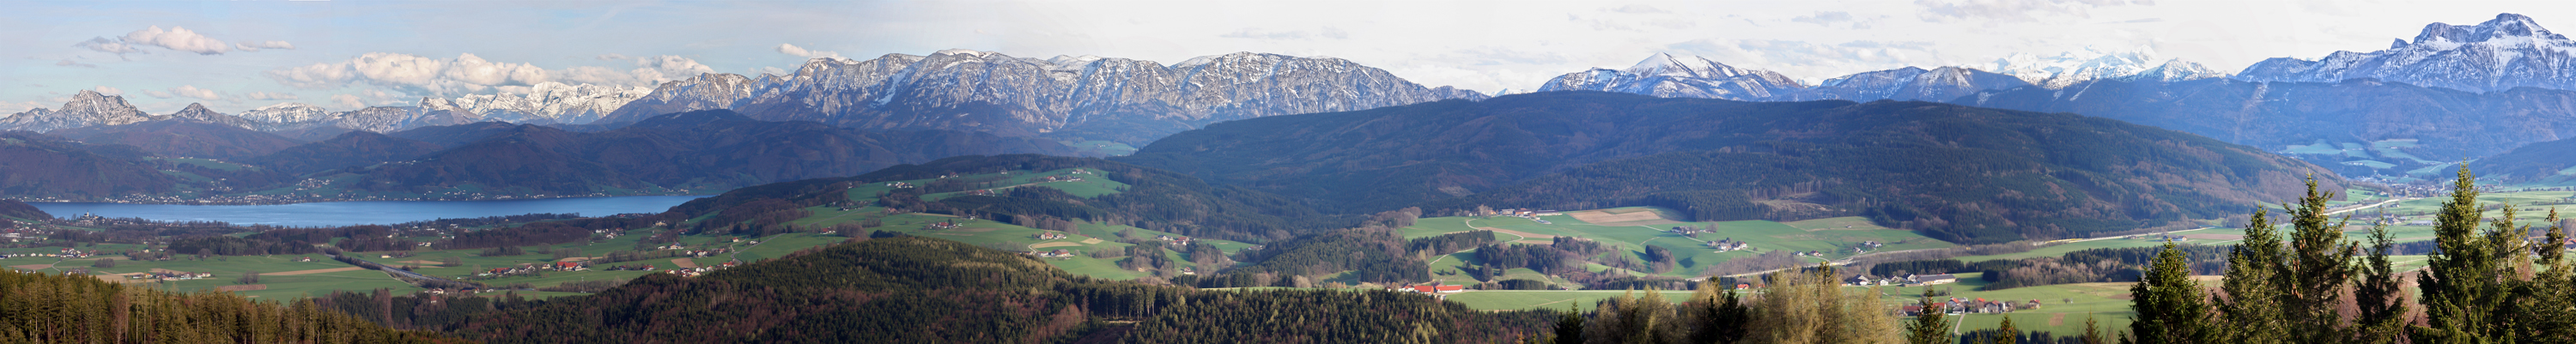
column 2359, row 127
column 714, row 149
column 1957, row 173
column 932, row 290
column 1151, row 199
column 355, row 148
column 183, row 138
column 39, row 165
column 2548, row 161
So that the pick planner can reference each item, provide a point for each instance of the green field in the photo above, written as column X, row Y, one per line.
column 1549, row 299
column 1831, row 237
column 1102, row 148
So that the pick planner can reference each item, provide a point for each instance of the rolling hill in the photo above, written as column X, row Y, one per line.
column 183, row 138
column 1958, row 173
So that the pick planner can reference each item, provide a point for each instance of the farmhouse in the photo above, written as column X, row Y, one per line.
column 1430, row 289
column 1930, row 279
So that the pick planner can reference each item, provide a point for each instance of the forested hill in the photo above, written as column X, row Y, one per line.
column 916, row 290
column 88, row 309
column 2545, row 161
column 1154, row 199
column 1957, row 173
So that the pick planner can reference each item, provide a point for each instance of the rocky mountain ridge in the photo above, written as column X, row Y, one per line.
column 2509, row 51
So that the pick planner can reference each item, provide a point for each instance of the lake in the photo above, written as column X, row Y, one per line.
column 323, row 214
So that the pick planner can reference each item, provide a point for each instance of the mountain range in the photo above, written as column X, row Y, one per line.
column 2509, row 51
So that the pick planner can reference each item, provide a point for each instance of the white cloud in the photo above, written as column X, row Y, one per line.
column 1992, row 12
column 611, row 57
column 256, row 46
column 1824, row 17
column 347, row 101
column 192, row 91
column 268, row 96
column 69, row 63
column 468, row 73
column 108, row 90
column 177, row 38
column 792, row 49
column 111, row 46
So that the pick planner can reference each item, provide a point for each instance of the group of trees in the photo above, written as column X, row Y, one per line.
column 80, row 309
column 2488, row 283
column 1796, row 306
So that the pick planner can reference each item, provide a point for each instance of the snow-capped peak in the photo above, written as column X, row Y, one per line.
column 1662, row 64
column 2068, row 68
column 2509, row 51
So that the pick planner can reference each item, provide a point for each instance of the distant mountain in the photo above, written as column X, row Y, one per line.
column 277, row 117
column 183, row 137
column 44, row 166
column 2546, row 161
column 2069, row 68
column 548, row 103
column 1664, row 75
column 1095, row 98
column 1907, row 83
column 696, row 150
column 351, row 149
column 456, row 135
column 198, row 112
column 2509, row 51
column 87, row 108
column 1949, row 171
column 2358, row 127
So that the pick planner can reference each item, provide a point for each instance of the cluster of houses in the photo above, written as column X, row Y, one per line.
column 1051, row 235
column 1691, row 230
column 949, row 224
column 167, row 275
column 1059, row 179
column 1979, row 305
column 1907, row 280
column 1807, row 253
column 1435, row 289
column 1057, row 253
column 1865, row 246
column 66, row 253
column 901, row 185
column 1174, row 239
column 1729, row 244
column 979, row 192
column 702, row 271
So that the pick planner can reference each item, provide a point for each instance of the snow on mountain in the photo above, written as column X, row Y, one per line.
column 87, row 108
column 2509, row 51
column 1909, row 83
column 1087, row 96
column 196, row 111
column 287, row 113
column 2072, row 67
column 551, row 102
column 1665, row 75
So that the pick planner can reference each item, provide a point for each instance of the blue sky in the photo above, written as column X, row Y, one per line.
column 351, row 53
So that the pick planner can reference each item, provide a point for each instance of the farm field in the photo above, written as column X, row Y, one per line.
column 1829, row 236
column 1549, row 299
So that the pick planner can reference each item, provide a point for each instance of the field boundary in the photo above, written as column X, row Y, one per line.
column 684, row 263
column 313, row 271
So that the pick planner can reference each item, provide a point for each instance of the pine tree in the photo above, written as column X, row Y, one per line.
column 2459, row 282
column 2006, row 334
column 1721, row 314
column 2093, row 332
column 2171, row 308
column 2381, row 298
column 2549, row 299
column 1569, row 327
column 2320, row 264
column 2252, row 309
column 1930, row 327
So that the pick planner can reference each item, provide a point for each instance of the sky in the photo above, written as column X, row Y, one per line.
column 239, row 55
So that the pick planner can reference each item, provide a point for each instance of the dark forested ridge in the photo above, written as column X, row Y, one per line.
column 2537, row 162
column 2447, row 125
column 904, row 290
column 355, row 148
column 1954, row 172
column 36, row 164
column 183, row 138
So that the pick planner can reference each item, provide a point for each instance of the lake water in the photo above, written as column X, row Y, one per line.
column 372, row 212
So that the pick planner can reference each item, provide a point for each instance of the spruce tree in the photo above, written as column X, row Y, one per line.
column 1569, row 327
column 2006, row 334
column 2320, row 263
column 2171, row 308
column 1931, row 327
column 1721, row 314
column 2459, row 282
column 2379, row 293
column 2548, row 299
column 2252, row 308
column 2093, row 332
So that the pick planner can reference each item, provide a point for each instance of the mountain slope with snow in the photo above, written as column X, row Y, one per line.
column 88, row 108
column 2509, row 51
